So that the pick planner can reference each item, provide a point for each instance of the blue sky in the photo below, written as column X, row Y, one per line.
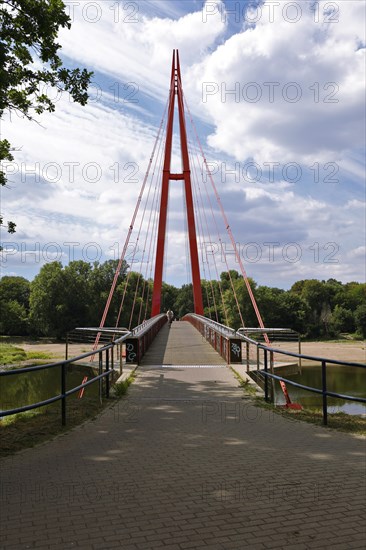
column 277, row 93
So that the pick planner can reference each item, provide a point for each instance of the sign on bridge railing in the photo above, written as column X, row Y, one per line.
column 142, row 336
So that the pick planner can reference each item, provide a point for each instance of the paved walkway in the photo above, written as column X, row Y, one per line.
column 181, row 344
column 186, row 462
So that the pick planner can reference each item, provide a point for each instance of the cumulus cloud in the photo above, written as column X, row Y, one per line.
column 133, row 47
column 77, row 177
column 287, row 90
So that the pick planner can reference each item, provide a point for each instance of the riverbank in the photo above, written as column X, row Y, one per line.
column 341, row 350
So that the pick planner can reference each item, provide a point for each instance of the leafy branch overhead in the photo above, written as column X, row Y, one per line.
column 30, row 63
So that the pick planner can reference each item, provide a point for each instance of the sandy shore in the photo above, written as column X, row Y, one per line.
column 341, row 351
column 56, row 350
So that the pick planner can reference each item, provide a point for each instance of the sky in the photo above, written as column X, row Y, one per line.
column 277, row 92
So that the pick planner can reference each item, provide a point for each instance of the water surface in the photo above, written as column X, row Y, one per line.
column 19, row 390
column 340, row 379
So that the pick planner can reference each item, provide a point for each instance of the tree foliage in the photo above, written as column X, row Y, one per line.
column 64, row 298
column 61, row 298
column 360, row 319
column 14, row 305
column 30, row 63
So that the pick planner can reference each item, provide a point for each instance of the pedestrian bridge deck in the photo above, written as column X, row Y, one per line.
column 186, row 461
column 181, row 344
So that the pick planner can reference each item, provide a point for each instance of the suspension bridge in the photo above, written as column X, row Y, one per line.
column 186, row 460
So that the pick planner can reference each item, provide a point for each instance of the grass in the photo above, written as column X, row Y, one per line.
column 23, row 430
column 343, row 422
column 248, row 388
column 121, row 388
column 38, row 355
column 10, row 354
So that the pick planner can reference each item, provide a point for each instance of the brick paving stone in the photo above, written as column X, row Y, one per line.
column 184, row 462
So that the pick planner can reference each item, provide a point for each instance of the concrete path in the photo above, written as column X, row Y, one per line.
column 186, row 462
column 181, row 344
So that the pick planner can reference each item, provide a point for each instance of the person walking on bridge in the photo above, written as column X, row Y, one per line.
column 170, row 317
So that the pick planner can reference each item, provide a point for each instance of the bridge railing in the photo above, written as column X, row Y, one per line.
column 61, row 365
column 141, row 337
column 223, row 339
column 254, row 336
column 269, row 375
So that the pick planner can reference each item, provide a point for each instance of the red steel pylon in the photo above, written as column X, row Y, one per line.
column 176, row 91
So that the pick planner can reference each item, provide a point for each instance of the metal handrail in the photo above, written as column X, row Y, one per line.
column 65, row 361
column 140, row 329
column 65, row 393
column 318, row 390
column 263, row 330
column 247, row 339
column 40, row 404
column 218, row 326
column 323, row 360
column 298, row 355
column 266, row 348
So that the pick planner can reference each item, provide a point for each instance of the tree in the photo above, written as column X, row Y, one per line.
column 318, row 296
column 46, row 300
column 351, row 295
column 342, row 320
column 14, row 305
column 214, row 292
column 184, row 302
column 29, row 62
column 296, row 312
column 246, row 306
column 15, row 288
column 76, row 296
column 13, row 318
column 360, row 319
column 169, row 294
column 63, row 298
column 131, row 290
column 101, row 279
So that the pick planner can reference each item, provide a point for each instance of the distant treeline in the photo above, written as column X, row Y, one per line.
column 62, row 298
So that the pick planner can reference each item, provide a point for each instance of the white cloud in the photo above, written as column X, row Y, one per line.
column 315, row 63
column 117, row 139
column 137, row 48
column 359, row 252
